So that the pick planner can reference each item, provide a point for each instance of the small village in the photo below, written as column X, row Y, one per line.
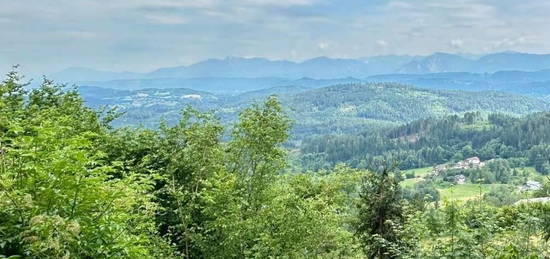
column 475, row 163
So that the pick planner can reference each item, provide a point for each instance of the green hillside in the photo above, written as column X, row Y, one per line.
column 433, row 141
column 359, row 107
column 339, row 109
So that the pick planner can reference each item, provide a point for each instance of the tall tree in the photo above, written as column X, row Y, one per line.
column 380, row 219
column 256, row 150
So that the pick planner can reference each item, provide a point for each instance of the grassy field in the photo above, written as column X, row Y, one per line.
column 465, row 191
column 419, row 174
column 460, row 192
column 410, row 182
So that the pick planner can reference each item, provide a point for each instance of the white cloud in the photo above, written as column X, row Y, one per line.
column 323, row 45
column 457, row 43
column 470, row 9
column 166, row 19
column 381, row 43
column 399, row 5
column 170, row 3
column 277, row 2
column 506, row 43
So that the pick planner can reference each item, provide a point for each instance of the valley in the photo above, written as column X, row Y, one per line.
column 338, row 109
column 361, row 123
column 422, row 120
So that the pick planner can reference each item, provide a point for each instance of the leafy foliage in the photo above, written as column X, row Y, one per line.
column 58, row 196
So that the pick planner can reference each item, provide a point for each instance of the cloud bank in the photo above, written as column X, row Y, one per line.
column 140, row 35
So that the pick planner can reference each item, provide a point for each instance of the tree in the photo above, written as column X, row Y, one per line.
column 193, row 158
column 380, row 219
column 256, row 155
column 12, row 95
column 255, row 158
column 539, row 157
column 58, row 198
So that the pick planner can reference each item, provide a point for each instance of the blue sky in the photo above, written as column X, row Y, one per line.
column 140, row 35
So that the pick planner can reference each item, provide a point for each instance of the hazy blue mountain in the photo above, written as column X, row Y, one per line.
column 533, row 83
column 213, row 84
column 262, row 94
column 321, row 67
column 513, row 61
column 229, row 67
column 325, row 68
column 388, row 64
column 443, row 62
column 237, row 75
column 219, row 85
column 436, row 63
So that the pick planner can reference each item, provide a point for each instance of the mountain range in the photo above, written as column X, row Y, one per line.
column 234, row 67
column 505, row 61
column 219, row 85
column 535, row 83
column 322, row 67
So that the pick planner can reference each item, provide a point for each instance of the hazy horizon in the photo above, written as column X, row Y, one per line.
column 30, row 75
column 140, row 36
column 472, row 56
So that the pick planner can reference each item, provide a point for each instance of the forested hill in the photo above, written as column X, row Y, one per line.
column 352, row 107
column 344, row 108
column 429, row 142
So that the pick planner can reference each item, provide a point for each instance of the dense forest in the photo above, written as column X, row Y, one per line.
column 428, row 142
column 73, row 186
column 352, row 108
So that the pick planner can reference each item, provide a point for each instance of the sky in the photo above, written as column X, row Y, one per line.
column 142, row 35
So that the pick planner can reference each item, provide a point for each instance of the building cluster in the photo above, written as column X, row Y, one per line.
column 468, row 163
